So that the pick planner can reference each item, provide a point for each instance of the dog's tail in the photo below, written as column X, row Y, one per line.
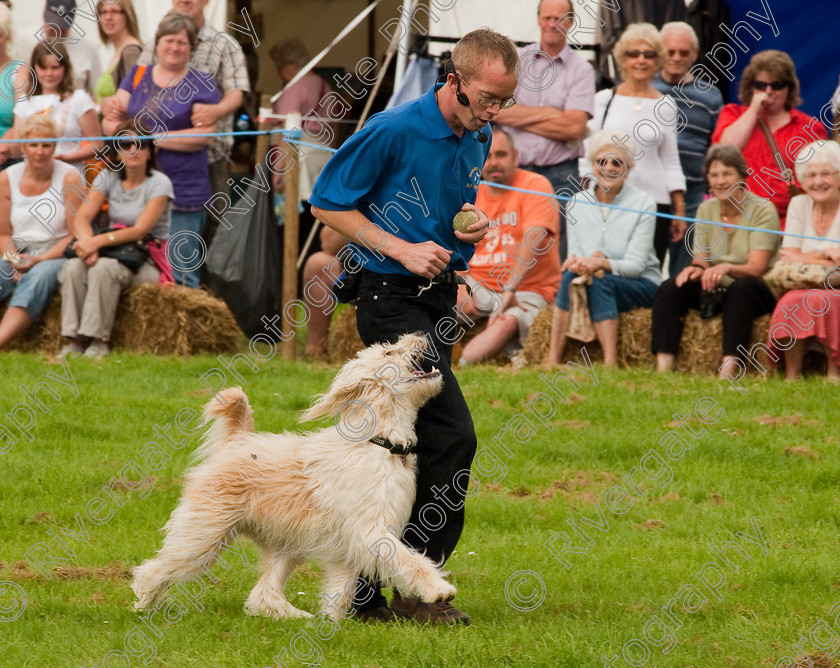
column 230, row 416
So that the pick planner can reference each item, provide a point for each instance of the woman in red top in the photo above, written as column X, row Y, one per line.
column 769, row 90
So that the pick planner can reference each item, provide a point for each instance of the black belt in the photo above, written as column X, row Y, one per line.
column 406, row 281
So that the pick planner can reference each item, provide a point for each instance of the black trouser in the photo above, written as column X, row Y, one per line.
column 388, row 306
column 745, row 300
column 662, row 232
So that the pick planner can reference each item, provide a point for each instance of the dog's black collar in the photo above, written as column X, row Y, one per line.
column 393, row 448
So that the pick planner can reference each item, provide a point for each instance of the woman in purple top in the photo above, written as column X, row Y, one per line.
column 163, row 96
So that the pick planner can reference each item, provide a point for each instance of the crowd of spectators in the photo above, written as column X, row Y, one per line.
column 660, row 146
column 94, row 203
column 634, row 164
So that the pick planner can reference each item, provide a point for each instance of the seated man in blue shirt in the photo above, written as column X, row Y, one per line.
column 393, row 189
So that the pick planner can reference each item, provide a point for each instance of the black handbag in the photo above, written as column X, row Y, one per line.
column 132, row 255
column 711, row 302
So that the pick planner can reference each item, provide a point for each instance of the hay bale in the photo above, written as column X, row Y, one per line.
column 343, row 340
column 700, row 350
column 174, row 320
column 151, row 319
column 44, row 335
column 535, row 349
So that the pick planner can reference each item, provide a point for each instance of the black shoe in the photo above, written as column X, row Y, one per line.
column 380, row 614
column 438, row 612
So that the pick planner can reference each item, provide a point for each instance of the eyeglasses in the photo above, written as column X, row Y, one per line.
column 111, row 12
column 610, row 162
column 684, row 53
column 488, row 102
column 811, row 176
column 775, row 85
column 650, row 54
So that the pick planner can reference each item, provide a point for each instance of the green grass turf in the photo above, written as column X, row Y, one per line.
column 738, row 470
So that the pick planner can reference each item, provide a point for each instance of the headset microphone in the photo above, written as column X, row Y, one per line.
column 463, row 100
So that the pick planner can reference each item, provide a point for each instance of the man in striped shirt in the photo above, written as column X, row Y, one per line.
column 699, row 103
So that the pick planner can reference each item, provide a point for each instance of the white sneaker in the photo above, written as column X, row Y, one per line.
column 72, row 348
column 97, row 350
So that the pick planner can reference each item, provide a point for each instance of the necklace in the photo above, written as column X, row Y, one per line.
column 729, row 218
column 638, row 104
column 823, row 220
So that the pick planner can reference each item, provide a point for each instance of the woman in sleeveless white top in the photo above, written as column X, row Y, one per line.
column 37, row 198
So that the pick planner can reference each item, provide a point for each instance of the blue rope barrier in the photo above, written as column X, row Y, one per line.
column 658, row 215
column 563, row 198
column 290, row 134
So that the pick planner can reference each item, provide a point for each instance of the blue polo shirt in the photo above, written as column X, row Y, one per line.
column 409, row 173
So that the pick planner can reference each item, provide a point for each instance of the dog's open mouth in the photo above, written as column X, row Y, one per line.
column 420, row 375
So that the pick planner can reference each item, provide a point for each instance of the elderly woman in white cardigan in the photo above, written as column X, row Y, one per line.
column 612, row 245
column 636, row 107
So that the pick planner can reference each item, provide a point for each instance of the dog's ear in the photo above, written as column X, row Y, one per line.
column 341, row 392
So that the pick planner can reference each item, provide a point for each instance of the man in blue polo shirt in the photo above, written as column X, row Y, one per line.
column 393, row 189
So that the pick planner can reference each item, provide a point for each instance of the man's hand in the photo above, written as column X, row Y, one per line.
column 833, row 254
column 678, row 228
column 478, row 230
column 204, row 114
column 426, row 259
column 110, row 107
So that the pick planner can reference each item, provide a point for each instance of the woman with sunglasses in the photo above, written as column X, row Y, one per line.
column 769, row 91
column 728, row 263
column 139, row 204
column 613, row 246
column 636, row 107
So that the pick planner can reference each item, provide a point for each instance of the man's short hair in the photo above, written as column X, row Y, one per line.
column 498, row 130
column 483, row 46
column 290, row 51
column 571, row 8
column 680, row 26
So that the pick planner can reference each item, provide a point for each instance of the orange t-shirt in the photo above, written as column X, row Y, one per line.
column 512, row 214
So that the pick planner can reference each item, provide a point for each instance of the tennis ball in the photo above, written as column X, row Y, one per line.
column 463, row 219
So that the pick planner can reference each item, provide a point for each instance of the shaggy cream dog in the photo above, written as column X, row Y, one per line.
column 333, row 495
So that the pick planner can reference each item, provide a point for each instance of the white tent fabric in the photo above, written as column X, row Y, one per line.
column 149, row 13
column 515, row 18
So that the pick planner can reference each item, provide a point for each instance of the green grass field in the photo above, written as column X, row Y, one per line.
column 767, row 468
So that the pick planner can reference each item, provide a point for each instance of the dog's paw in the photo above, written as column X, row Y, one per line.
column 276, row 610
column 445, row 592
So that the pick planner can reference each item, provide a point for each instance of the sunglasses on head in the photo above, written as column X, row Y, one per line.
column 776, row 85
column 684, row 53
column 650, row 54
